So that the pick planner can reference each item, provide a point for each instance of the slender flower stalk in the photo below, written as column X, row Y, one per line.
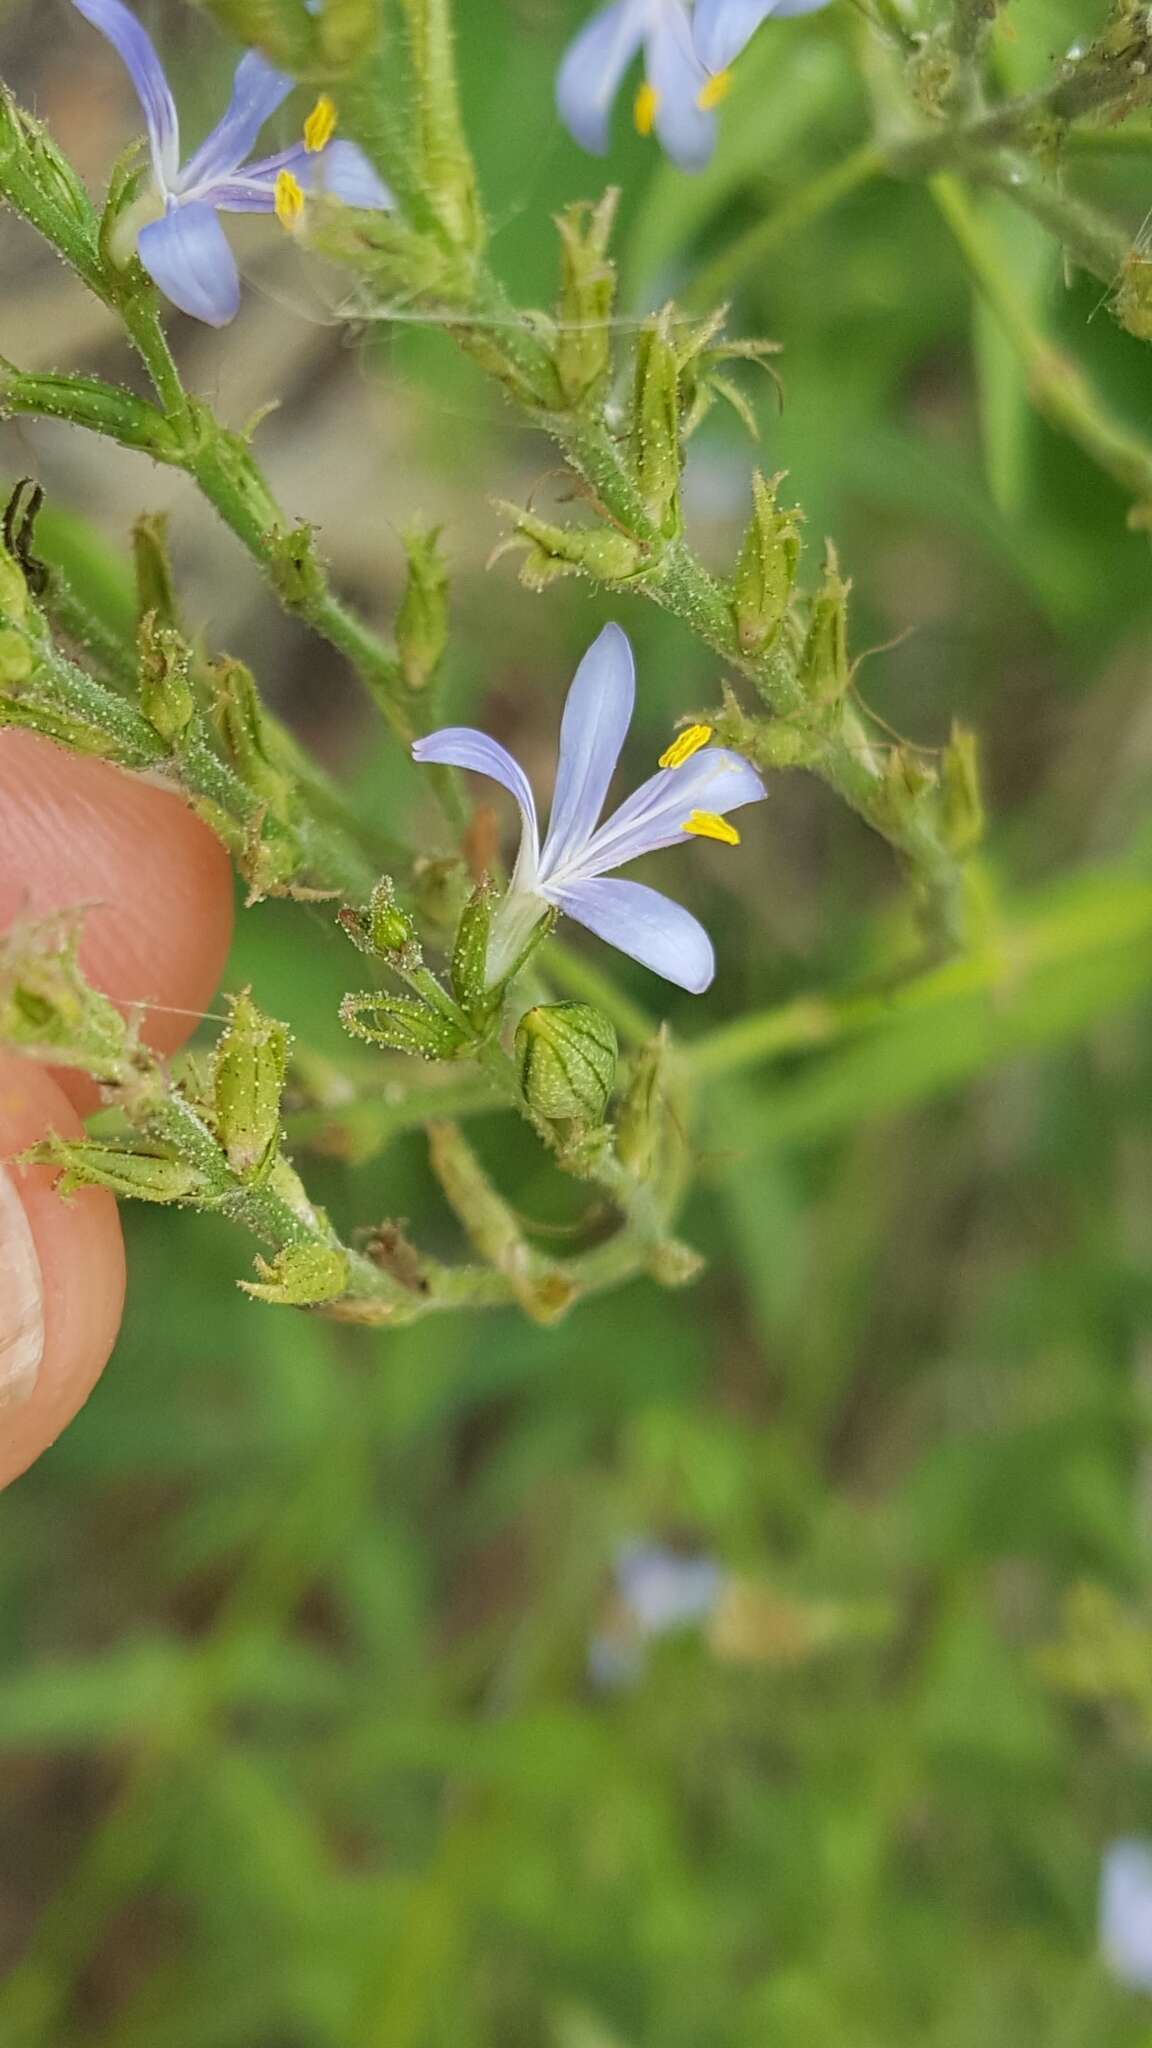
column 686, row 58
column 175, row 226
column 691, row 796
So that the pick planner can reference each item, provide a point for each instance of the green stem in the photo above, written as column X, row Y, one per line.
column 1056, row 384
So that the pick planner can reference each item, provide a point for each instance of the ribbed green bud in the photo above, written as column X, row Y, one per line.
column 960, row 787
column 248, row 741
column 587, row 297
column 825, row 670
column 656, row 451
column 41, row 184
column 248, row 1077
column 155, row 589
column 567, row 1056
column 164, row 674
column 766, row 567
column 403, row 1024
column 17, row 652
column 470, row 955
column 598, row 552
column 422, row 620
column 301, row 1276
column 130, row 1171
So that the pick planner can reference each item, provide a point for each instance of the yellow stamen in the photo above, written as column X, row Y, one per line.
column 646, row 108
column 714, row 90
column 320, row 126
column 684, row 745
column 289, row 199
column 709, row 825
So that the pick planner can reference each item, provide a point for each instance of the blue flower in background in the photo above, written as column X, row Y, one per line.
column 722, row 28
column 184, row 248
column 696, row 787
column 1126, row 1912
column 686, row 59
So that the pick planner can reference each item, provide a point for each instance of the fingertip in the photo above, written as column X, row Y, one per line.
column 154, row 883
column 61, row 1274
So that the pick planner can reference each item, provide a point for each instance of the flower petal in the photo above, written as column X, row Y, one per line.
column 677, row 77
column 188, row 256
column 459, row 746
column 722, row 28
column 257, row 90
column 341, row 169
column 715, row 779
column 591, row 70
column 597, row 715
column 134, row 46
column 649, row 927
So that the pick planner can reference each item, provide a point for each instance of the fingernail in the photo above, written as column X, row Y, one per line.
column 21, row 1299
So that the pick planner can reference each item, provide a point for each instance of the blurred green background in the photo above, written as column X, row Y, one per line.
column 300, row 1746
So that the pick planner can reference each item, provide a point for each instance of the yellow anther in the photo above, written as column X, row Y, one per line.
column 320, row 126
column 289, row 199
column 684, row 745
column 714, row 90
column 709, row 825
column 646, row 108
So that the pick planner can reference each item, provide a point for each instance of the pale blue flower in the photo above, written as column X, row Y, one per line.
column 690, row 798
column 1126, row 1913
column 182, row 245
column 659, row 1591
column 685, row 56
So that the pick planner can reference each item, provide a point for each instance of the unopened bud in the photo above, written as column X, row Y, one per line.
column 164, row 672
column 960, row 787
column 656, row 450
column 125, row 1170
column 567, row 1057
column 825, row 670
column 422, row 620
column 470, row 955
column 155, row 590
column 248, row 1081
column 244, row 729
column 598, row 552
column 587, row 296
column 766, row 567
column 403, row 1024
column 301, row 1276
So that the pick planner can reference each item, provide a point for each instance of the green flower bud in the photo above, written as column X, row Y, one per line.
column 422, row 620
column 825, row 670
column 587, row 296
column 765, row 569
column 960, row 787
column 301, row 1276
column 164, row 671
column 656, row 451
column 248, row 740
column 403, row 1024
column 598, row 552
column 155, row 590
column 41, row 184
column 567, row 1057
column 470, row 955
column 127, row 1170
column 248, row 1081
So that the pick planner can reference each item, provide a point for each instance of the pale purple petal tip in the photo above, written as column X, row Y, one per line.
column 650, row 928
column 135, row 49
column 459, row 746
column 597, row 714
column 343, row 170
column 257, row 90
column 591, row 70
column 188, row 256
